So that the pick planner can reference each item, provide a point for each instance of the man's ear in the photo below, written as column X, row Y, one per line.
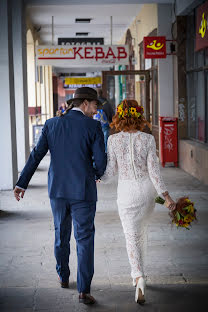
column 85, row 102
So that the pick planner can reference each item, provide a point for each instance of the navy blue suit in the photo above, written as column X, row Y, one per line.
column 73, row 140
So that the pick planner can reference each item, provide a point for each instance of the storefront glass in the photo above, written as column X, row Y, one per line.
column 197, row 86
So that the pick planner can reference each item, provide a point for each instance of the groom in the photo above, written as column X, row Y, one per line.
column 72, row 139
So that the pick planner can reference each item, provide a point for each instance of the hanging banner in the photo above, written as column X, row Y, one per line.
column 201, row 27
column 76, row 56
column 154, row 47
column 82, row 80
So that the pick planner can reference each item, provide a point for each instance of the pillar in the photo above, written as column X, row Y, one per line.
column 8, row 154
column 20, row 82
column 165, row 66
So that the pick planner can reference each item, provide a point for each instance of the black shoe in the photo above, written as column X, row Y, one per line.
column 63, row 284
column 86, row 298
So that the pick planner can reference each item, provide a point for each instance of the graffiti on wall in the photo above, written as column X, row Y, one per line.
column 168, row 137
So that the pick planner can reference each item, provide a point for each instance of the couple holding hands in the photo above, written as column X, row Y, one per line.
column 78, row 160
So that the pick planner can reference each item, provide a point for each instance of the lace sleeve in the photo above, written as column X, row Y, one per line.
column 154, row 169
column 112, row 166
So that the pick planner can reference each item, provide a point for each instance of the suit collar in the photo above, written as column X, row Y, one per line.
column 78, row 110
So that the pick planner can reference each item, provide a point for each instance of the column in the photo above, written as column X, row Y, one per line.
column 20, row 82
column 8, row 154
column 165, row 66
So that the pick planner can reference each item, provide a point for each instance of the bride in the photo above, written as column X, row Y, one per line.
column 132, row 153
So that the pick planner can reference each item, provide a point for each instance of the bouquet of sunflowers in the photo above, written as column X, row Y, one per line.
column 184, row 213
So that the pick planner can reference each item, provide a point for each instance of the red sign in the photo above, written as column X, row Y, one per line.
column 201, row 27
column 154, row 47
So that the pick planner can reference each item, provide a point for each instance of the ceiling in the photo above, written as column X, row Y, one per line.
column 65, row 26
column 123, row 13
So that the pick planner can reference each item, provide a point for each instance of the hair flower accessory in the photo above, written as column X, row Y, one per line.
column 124, row 110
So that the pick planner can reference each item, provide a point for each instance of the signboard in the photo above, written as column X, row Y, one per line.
column 82, row 80
column 75, row 86
column 82, row 55
column 80, row 41
column 201, row 27
column 154, row 47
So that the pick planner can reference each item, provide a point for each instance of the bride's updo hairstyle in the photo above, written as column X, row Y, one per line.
column 129, row 116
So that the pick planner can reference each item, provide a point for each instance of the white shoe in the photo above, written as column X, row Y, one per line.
column 139, row 294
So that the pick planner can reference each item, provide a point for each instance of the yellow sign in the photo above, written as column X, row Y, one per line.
column 155, row 46
column 203, row 26
column 82, row 80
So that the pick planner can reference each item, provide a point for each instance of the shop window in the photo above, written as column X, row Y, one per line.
column 200, row 107
column 191, row 105
column 197, row 86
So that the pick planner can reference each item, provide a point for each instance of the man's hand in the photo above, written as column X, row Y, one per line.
column 18, row 193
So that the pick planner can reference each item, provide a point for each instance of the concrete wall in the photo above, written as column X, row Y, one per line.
column 165, row 66
column 144, row 23
column 193, row 158
column 184, row 7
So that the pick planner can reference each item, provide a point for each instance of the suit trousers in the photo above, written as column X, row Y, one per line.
column 82, row 214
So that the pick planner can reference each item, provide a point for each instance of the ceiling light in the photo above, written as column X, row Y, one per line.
column 82, row 20
column 82, row 33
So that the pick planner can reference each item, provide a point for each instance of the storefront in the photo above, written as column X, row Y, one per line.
column 193, row 151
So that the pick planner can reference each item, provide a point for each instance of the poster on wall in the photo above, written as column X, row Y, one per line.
column 76, row 56
column 201, row 27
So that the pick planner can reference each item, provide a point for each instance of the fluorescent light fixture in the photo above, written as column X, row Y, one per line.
column 82, row 33
column 82, row 20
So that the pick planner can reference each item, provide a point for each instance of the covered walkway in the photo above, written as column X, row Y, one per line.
column 176, row 265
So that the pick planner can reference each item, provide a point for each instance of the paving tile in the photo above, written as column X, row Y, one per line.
column 176, row 264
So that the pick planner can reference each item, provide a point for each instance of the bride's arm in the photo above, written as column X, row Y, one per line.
column 154, row 169
column 155, row 176
column 112, row 166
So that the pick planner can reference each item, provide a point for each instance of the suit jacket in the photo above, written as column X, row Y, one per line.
column 73, row 140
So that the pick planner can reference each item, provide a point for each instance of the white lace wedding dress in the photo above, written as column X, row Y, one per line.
column 133, row 157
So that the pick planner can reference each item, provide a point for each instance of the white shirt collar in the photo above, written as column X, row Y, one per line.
column 78, row 109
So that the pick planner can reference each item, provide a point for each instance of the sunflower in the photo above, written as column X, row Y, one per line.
column 119, row 110
column 133, row 110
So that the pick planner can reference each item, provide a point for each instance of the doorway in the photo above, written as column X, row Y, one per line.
column 131, row 84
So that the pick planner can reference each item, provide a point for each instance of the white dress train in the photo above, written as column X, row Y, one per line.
column 133, row 156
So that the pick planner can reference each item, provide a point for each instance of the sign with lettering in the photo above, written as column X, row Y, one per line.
column 154, row 47
column 202, row 27
column 83, row 80
column 74, row 56
column 80, row 41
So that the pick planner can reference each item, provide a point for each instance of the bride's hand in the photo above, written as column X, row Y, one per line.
column 169, row 203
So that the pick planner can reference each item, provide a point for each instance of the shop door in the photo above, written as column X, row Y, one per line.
column 127, row 84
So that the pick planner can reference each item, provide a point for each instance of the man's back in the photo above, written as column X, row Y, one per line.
column 72, row 140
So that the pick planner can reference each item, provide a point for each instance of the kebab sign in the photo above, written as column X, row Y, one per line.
column 82, row 55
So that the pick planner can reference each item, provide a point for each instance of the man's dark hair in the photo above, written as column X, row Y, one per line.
column 74, row 103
